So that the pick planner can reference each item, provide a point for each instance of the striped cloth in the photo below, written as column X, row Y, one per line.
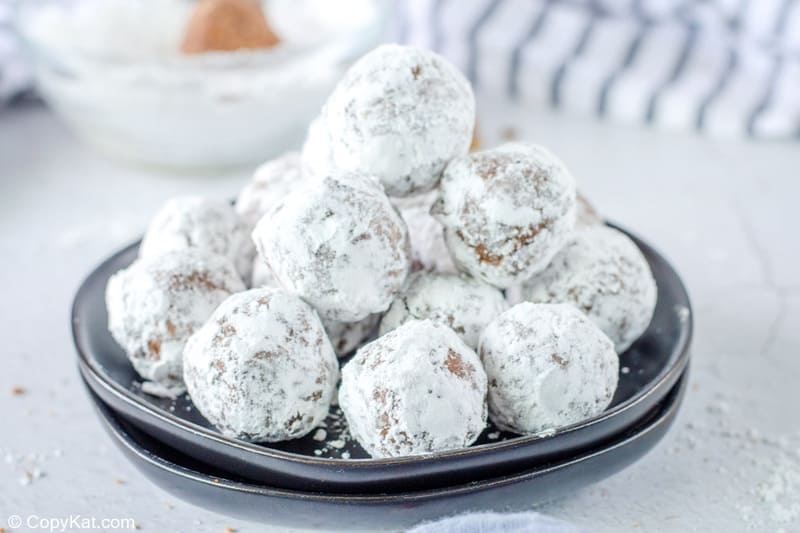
column 726, row 67
column 15, row 75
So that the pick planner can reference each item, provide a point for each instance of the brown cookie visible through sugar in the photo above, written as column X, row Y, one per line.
column 505, row 212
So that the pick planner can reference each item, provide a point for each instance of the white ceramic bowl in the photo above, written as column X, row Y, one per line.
column 146, row 102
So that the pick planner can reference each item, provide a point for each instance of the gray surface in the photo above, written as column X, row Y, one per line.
column 724, row 212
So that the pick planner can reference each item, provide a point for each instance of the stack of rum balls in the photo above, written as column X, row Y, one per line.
column 387, row 229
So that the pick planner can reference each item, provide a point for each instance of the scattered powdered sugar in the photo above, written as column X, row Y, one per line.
column 683, row 312
column 262, row 369
column 339, row 245
column 155, row 304
column 464, row 304
column 171, row 392
column 203, row 223
column 338, row 444
column 28, row 467
column 334, row 436
column 506, row 212
column 430, row 399
column 548, row 366
column 400, row 114
column 604, row 274
column 428, row 250
column 271, row 183
column 767, row 468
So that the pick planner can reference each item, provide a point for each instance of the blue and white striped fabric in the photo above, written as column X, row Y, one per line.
column 15, row 76
column 726, row 67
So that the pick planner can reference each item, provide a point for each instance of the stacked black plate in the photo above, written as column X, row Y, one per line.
column 327, row 481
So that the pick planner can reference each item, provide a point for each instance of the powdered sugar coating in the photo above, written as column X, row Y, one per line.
column 339, row 245
column 347, row 336
column 586, row 214
column 203, row 223
column 506, row 212
column 261, row 369
column 428, row 249
column 262, row 275
column 463, row 303
column 548, row 366
column 271, row 183
column 344, row 336
column 418, row 389
column 316, row 156
column 156, row 303
column 604, row 274
column 400, row 113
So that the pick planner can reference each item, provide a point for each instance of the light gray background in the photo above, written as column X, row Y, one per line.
column 727, row 213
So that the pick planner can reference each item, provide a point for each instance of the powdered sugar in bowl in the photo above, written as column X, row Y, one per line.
column 114, row 71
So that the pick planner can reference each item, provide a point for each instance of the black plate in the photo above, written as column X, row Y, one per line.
column 649, row 369
column 214, row 489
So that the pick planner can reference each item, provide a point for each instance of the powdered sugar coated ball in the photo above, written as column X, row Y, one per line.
column 155, row 304
column 400, row 113
column 428, row 249
column 261, row 369
column 202, row 223
column 417, row 389
column 340, row 246
column 464, row 304
column 604, row 274
column 271, row 183
column 548, row 366
column 506, row 212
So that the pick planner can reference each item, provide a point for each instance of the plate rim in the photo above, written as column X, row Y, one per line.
column 670, row 373
column 660, row 415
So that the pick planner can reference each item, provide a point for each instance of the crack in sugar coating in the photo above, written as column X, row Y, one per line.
column 262, row 369
column 462, row 303
column 418, row 389
column 271, row 183
column 203, row 223
column 155, row 304
column 340, row 245
column 548, row 366
column 604, row 274
column 400, row 113
column 506, row 212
